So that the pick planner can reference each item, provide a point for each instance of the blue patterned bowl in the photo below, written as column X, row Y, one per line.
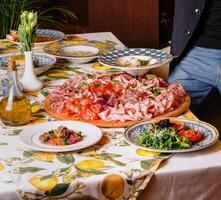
column 54, row 34
column 210, row 133
column 153, row 57
column 42, row 62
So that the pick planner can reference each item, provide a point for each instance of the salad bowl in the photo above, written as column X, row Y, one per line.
column 210, row 134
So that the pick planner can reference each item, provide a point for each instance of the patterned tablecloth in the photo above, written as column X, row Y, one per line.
column 111, row 169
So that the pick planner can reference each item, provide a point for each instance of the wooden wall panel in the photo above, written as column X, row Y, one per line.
column 135, row 22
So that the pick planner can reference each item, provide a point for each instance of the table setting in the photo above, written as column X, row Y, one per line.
column 83, row 117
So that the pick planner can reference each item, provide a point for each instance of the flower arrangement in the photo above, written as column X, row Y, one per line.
column 26, row 29
column 26, row 33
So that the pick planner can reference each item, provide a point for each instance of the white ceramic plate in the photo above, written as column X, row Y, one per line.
column 77, row 52
column 210, row 133
column 30, row 135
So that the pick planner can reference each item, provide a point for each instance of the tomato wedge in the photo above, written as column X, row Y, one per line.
column 193, row 136
column 117, row 88
column 86, row 101
column 96, row 87
column 83, row 108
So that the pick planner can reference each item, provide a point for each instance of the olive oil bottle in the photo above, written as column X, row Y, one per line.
column 15, row 109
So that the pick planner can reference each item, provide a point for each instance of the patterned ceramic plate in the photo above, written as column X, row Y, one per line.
column 53, row 34
column 210, row 133
column 135, row 59
column 42, row 62
column 30, row 135
column 80, row 51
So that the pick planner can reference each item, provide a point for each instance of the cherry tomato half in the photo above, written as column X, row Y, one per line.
column 193, row 136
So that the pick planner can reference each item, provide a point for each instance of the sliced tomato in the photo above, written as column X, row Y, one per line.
column 193, row 136
column 117, row 88
column 96, row 87
column 108, row 87
column 73, row 140
column 83, row 108
column 86, row 101
column 95, row 108
column 69, row 107
column 88, row 114
column 76, row 101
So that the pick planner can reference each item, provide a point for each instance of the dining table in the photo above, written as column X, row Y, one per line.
column 112, row 168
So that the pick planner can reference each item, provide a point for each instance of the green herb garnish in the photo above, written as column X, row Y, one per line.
column 46, row 139
column 143, row 62
column 163, row 139
column 88, row 75
column 156, row 91
column 51, row 132
column 79, row 133
column 115, row 81
column 64, row 141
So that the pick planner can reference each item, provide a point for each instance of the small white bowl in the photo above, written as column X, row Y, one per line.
column 76, row 52
column 79, row 54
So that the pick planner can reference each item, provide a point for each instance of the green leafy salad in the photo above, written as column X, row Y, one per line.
column 163, row 137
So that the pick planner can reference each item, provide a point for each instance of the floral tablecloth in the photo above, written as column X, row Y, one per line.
column 111, row 169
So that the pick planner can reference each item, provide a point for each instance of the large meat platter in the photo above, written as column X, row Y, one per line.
column 116, row 100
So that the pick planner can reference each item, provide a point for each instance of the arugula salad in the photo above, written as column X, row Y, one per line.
column 167, row 135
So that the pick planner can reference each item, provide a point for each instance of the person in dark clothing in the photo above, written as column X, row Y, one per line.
column 196, row 44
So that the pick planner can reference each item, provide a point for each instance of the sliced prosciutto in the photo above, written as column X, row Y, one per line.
column 116, row 97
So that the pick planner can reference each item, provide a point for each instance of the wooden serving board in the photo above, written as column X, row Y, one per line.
column 115, row 124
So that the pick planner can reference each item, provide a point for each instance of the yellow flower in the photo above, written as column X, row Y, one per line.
column 113, row 186
column 44, row 156
column 142, row 152
column 27, row 28
column 89, row 165
column 45, row 184
column 2, row 167
column 30, row 16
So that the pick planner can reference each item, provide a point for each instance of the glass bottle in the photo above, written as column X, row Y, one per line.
column 15, row 109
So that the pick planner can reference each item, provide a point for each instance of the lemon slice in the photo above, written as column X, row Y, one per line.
column 142, row 152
